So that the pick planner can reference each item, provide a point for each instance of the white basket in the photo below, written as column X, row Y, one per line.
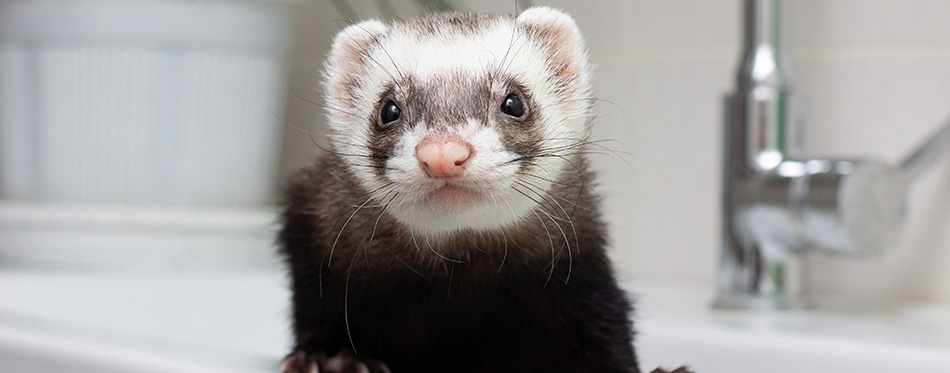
column 156, row 102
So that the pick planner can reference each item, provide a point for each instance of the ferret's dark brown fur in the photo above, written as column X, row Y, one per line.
column 371, row 293
column 501, row 309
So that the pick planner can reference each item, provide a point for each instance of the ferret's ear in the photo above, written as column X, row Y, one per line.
column 349, row 53
column 559, row 36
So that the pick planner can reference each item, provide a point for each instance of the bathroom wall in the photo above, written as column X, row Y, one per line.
column 874, row 76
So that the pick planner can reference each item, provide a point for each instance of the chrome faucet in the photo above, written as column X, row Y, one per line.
column 779, row 205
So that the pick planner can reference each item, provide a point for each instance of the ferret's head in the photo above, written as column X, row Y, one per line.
column 459, row 121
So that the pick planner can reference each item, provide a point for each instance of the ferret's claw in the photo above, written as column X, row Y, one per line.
column 677, row 370
column 302, row 362
column 343, row 362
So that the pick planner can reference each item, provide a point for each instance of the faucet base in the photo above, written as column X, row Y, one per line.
column 752, row 302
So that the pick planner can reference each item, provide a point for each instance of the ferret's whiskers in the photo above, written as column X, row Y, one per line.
column 474, row 241
column 567, row 217
column 414, row 242
column 365, row 53
column 296, row 127
column 373, row 194
column 577, row 169
column 383, row 211
column 580, row 174
column 517, row 51
column 451, row 277
column 554, row 197
column 395, row 66
column 504, row 257
column 369, row 194
column 371, row 149
column 562, row 184
column 552, row 216
column 543, row 202
column 494, row 198
column 346, row 299
column 334, row 109
column 337, row 240
column 411, row 268
column 567, row 244
column 550, row 238
column 511, row 42
column 514, row 216
column 443, row 257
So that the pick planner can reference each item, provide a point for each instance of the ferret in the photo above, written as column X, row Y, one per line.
column 450, row 226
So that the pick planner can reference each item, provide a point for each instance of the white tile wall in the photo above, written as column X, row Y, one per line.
column 874, row 74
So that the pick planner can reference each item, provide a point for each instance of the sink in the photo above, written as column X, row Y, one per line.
column 711, row 349
column 84, row 322
column 678, row 328
column 235, row 321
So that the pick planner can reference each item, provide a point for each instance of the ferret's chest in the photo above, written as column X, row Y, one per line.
column 459, row 301
column 461, row 265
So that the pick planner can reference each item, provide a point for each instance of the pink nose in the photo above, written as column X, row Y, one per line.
column 441, row 158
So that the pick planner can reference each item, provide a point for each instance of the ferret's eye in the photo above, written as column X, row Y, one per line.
column 513, row 106
column 389, row 113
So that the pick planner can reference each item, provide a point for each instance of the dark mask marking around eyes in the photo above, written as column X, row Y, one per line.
column 445, row 103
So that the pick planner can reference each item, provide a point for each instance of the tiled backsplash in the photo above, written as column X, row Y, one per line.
column 874, row 76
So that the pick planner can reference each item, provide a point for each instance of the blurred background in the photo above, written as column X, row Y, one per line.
column 128, row 124
column 152, row 135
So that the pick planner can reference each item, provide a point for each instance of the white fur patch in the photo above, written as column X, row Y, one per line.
column 488, row 171
column 504, row 45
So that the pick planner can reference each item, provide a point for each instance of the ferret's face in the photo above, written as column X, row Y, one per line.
column 459, row 122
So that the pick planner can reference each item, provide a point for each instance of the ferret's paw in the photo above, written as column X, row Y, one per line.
column 677, row 370
column 343, row 362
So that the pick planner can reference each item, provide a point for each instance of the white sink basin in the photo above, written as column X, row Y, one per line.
column 161, row 323
column 677, row 328
column 236, row 322
column 716, row 349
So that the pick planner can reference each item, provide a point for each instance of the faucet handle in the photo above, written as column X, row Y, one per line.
column 871, row 200
column 930, row 152
column 873, row 206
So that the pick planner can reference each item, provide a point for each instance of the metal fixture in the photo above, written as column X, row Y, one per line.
column 779, row 205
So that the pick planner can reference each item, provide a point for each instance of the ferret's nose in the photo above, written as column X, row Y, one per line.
column 442, row 158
